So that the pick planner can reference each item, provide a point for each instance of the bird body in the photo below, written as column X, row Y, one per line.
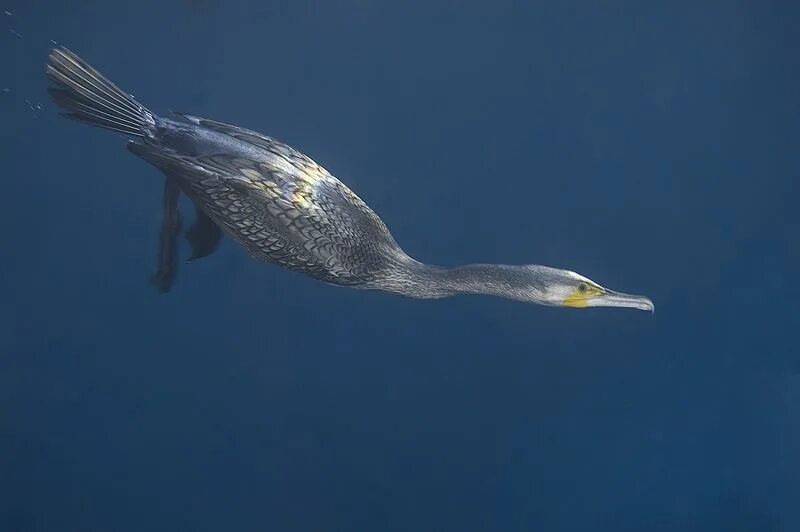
column 278, row 204
column 284, row 208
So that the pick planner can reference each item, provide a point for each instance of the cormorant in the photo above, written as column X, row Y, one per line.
column 284, row 208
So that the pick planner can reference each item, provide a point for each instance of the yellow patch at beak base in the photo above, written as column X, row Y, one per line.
column 580, row 299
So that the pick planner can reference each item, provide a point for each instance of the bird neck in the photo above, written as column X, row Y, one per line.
column 429, row 282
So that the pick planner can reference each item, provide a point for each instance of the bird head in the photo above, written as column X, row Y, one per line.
column 565, row 288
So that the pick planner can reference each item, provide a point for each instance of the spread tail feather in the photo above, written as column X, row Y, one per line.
column 91, row 98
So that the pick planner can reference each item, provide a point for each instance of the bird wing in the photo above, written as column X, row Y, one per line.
column 256, row 139
column 325, row 230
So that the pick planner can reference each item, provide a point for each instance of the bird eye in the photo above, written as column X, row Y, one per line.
column 582, row 287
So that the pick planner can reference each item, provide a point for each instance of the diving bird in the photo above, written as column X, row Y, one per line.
column 284, row 208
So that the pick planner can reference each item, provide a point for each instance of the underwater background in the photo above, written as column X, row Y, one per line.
column 652, row 146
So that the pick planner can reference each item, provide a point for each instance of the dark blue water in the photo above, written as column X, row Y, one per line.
column 652, row 148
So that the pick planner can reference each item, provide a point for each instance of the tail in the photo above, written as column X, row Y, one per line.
column 90, row 98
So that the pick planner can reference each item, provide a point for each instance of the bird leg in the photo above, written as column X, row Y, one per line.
column 204, row 235
column 166, row 269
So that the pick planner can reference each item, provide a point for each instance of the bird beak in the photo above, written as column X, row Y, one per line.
column 609, row 298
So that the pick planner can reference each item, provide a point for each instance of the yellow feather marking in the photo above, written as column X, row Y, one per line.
column 308, row 174
column 270, row 190
column 302, row 194
column 252, row 174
